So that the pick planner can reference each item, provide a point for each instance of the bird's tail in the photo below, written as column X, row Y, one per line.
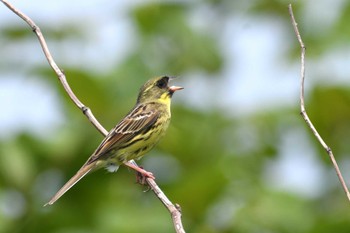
column 80, row 174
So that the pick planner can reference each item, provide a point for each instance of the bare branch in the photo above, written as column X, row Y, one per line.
column 173, row 209
column 302, row 105
column 61, row 76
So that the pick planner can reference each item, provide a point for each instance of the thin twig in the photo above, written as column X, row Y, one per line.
column 174, row 211
column 302, row 105
column 61, row 76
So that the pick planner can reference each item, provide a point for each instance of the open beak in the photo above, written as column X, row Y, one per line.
column 172, row 89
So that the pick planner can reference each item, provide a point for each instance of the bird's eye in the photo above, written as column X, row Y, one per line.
column 162, row 83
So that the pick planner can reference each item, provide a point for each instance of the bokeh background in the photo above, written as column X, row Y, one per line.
column 237, row 157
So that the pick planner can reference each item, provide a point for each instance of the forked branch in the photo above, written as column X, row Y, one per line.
column 302, row 105
column 173, row 209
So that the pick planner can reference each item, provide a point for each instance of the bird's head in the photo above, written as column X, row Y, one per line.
column 157, row 89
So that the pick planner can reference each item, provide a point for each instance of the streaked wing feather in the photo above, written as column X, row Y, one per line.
column 139, row 119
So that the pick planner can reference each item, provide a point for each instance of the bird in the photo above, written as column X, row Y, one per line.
column 135, row 135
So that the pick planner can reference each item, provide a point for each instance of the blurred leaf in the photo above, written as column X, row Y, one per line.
column 24, row 32
column 329, row 110
column 16, row 33
column 167, row 36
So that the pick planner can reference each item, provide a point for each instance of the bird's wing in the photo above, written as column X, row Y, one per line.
column 139, row 120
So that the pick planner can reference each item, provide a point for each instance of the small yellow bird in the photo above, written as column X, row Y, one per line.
column 136, row 134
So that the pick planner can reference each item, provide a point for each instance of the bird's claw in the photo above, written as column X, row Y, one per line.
column 142, row 175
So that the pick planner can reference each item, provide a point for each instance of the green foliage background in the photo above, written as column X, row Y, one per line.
column 212, row 163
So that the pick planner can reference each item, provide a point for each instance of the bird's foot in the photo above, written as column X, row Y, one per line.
column 142, row 174
column 141, row 178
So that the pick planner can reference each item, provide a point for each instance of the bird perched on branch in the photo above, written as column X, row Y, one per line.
column 136, row 134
